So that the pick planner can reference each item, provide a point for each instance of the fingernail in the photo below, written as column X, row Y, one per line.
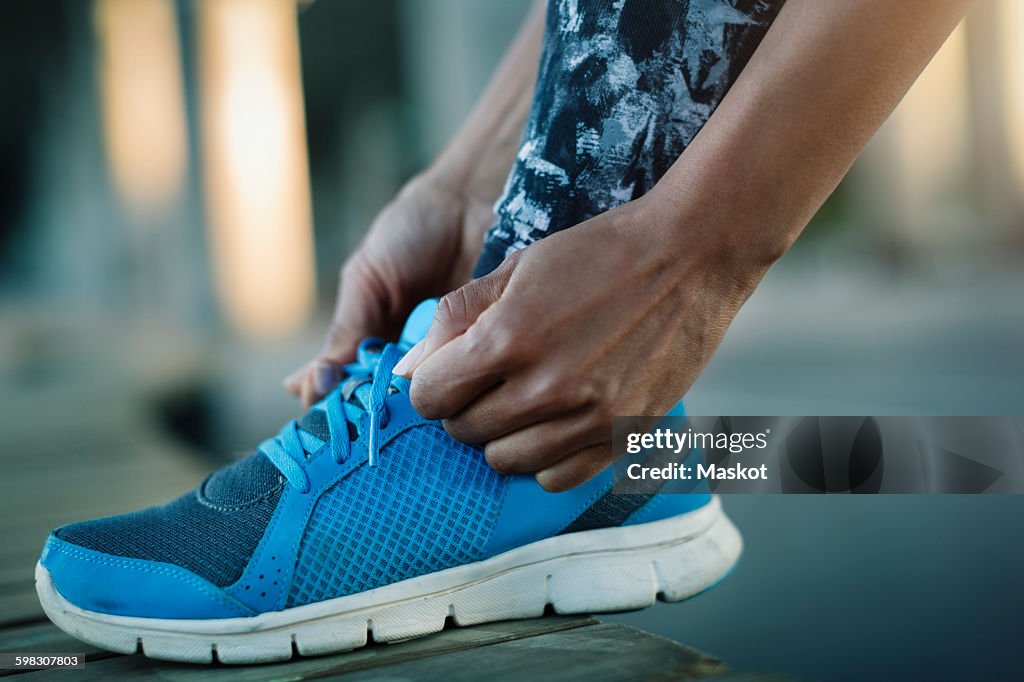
column 543, row 479
column 550, row 482
column 325, row 377
column 406, row 363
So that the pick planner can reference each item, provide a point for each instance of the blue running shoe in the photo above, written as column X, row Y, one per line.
column 362, row 517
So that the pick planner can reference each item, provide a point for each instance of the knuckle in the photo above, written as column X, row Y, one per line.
column 603, row 412
column 551, row 391
column 588, row 391
column 546, row 393
column 453, row 309
column 475, row 341
column 491, row 342
column 351, row 271
column 502, row 340
column 337, row 332
column 554, row 389
column 359, row 275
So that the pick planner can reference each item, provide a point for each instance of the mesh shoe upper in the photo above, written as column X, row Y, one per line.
column 211, row 531
column 430, row 504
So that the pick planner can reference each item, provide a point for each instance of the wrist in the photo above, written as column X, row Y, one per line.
column 441, row 186
column 469, row 213
column 476, row 165
column 466, row 177
column 701, row 233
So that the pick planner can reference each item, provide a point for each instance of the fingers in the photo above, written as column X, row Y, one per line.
column 542, row 445
column 315, row 380
column 462, row 355
column 321, row 376
column 308, row 394
column 453, row 377
column 293, row 382
column 356, row 316
column 576, row 469
column 506, row 408
column 320, row 379
column 456, row 313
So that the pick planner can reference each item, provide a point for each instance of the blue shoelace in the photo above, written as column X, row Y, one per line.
column 374, row 364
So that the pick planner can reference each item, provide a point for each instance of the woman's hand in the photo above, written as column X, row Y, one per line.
column 611, row 317
column 425, row 242
column 422, row 244
column 618, row 315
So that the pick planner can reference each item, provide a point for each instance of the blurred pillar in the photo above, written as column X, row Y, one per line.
column 997, row 96
column 143, row 112
column 1012, row 48
column 142, row 101
column 255, row 166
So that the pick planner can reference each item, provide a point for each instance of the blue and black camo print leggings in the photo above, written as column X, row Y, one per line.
column 623, row 87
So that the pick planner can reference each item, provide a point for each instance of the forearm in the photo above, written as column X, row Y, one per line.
column 821, row 83
column 477, row 160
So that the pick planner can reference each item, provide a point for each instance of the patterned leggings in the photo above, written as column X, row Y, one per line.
column 623, row 87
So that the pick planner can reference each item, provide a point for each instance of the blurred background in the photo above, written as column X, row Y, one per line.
column 180, row 182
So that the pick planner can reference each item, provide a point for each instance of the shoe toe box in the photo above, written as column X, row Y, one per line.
column 170, row 561
column 125, row 586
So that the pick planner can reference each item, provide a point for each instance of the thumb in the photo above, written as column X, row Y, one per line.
column 456, row 312
column 351, row 324
column 355, row 317
column 319, row 377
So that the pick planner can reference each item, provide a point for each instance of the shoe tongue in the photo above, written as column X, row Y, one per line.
column 418, row 323
column 314, row 423
column 244, row 481
column 313, row 430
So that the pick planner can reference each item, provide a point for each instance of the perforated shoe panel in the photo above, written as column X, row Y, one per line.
column 429, row 504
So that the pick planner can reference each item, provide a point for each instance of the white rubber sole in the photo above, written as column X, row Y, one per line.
column 605, row 570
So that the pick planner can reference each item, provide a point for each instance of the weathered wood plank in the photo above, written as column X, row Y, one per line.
column 58, row 485
column 84, row 482
column 20, row 607
column 150, row 486
column 741, row 676
column 406, row 661
column 45, row 638
column 17, row 570
column 442, row 644
column 603, row 651
column 41, row 638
